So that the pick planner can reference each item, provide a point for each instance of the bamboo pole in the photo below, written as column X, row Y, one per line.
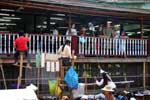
column 5, row 85
column 20, row 70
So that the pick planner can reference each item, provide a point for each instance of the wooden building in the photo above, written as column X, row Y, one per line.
column 41, row 18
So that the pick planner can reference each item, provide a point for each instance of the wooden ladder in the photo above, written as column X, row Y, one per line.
column 63, row 69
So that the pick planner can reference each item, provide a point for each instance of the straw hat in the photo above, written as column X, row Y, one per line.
column 132, row 98
column 126, row 92
column 108, row 88
column 65, row 98
column 84, row 97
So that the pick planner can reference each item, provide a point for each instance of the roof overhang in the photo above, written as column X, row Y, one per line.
column 70, row 6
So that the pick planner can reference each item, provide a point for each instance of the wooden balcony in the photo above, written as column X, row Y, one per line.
column 94, row 49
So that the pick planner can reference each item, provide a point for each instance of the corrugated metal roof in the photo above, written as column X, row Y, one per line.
column 138, row 4
column 122, row 1
column 145, row 6
column 94, row 5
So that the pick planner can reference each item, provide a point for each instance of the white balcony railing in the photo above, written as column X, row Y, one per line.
column 113, row 47
column 92, row 46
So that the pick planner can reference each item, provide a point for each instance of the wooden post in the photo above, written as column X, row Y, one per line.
column 20, row 69
column 38, row 80
column 141, row 25
column 72, row 63
column 72, row 60
column 86, row 90
column 58, row 83
column 94, row 88
column 61, row 73
column 71, row 94
column 69, row 24
column 144, row 72
column 3, row 76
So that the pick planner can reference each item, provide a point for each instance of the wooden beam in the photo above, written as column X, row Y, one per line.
column 91, row 60
column 111, row 60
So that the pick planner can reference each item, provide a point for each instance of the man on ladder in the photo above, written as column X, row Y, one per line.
column 20, row 44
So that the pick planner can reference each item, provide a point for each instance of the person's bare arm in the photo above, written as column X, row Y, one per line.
column 59, row 50
column 27, row 36
column 14, row 44
column 69, row 51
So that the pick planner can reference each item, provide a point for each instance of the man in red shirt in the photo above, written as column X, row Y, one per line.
column 20, row 44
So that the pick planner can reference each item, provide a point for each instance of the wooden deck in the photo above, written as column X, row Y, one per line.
column 112, row 60
column 9, row 59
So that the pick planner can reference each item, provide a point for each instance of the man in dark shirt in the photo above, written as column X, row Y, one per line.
column 20, row 44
